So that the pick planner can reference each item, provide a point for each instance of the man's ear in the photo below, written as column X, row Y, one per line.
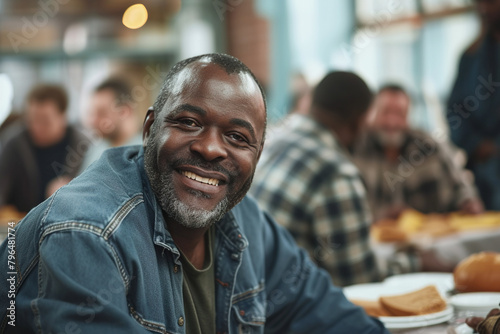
column 148, row 122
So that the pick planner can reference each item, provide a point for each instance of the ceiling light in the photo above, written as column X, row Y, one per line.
column 135, row 16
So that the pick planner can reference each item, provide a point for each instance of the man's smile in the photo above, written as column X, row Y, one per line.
column 193, row 176
column 200, row 179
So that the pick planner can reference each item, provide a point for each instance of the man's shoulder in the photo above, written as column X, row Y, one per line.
column 100, row 192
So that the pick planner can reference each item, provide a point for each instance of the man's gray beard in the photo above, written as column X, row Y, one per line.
column 183, row 213
column 171, row 205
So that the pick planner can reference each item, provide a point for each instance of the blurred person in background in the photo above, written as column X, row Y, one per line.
column 406, row 168
column 44, row 155
column 474, row 105
column 112, row 117
column 307, row 182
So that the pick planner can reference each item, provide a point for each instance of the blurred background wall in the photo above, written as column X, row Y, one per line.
column 78, row 43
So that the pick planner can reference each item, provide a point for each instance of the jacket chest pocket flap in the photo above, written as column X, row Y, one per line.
column 249, row 309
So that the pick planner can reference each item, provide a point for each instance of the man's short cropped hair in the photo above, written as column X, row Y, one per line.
column 49, row 92
column 229, row 63
column 120, row 88
column 343, row 94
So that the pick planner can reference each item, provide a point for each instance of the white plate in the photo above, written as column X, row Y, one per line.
column 418, row 320
column 372, row 291
column 441, row 314
column 443, row 281
column 475, row 301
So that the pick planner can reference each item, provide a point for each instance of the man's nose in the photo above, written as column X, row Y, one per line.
column 210, row 145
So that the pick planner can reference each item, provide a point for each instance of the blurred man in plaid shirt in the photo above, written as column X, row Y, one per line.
column 306, row 180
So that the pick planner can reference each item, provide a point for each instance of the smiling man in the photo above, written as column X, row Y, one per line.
column 162, row 239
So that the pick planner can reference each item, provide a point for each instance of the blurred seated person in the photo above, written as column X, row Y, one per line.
column 405, row 168
column 112, row 118
column 307, row 182
column 44, row 155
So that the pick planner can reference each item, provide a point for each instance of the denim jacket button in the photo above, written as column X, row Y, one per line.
column 181, row 321
column 235, row 256
column 176, row 268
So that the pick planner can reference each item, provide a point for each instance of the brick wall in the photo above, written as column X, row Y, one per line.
column 248, row 38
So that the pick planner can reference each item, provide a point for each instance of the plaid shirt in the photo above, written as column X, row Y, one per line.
column 424, row 177
column 307, row 183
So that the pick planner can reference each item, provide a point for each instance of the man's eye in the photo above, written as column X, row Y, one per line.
column 188, row 122
column 237, row 137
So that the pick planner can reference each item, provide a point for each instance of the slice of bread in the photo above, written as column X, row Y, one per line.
column 424, row 301
column 372, row 307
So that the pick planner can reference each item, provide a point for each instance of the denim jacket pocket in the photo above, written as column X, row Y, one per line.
column 250, row 311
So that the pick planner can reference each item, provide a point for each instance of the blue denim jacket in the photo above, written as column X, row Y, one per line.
column 97, row 258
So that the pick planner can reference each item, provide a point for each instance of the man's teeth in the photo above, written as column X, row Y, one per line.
column 193, row 176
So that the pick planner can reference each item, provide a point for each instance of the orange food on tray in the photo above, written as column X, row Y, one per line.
column 424, row 301
column 413, row 224
column 388, row 233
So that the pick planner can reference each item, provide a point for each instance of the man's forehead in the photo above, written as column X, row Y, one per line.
column 203, row 70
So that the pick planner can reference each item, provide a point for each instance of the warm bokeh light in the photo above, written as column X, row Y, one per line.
column 135, row 16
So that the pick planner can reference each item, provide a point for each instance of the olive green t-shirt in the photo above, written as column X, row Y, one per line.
column 198, row 289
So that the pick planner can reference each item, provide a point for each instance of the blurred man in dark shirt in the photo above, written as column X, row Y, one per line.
column 44, row 155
